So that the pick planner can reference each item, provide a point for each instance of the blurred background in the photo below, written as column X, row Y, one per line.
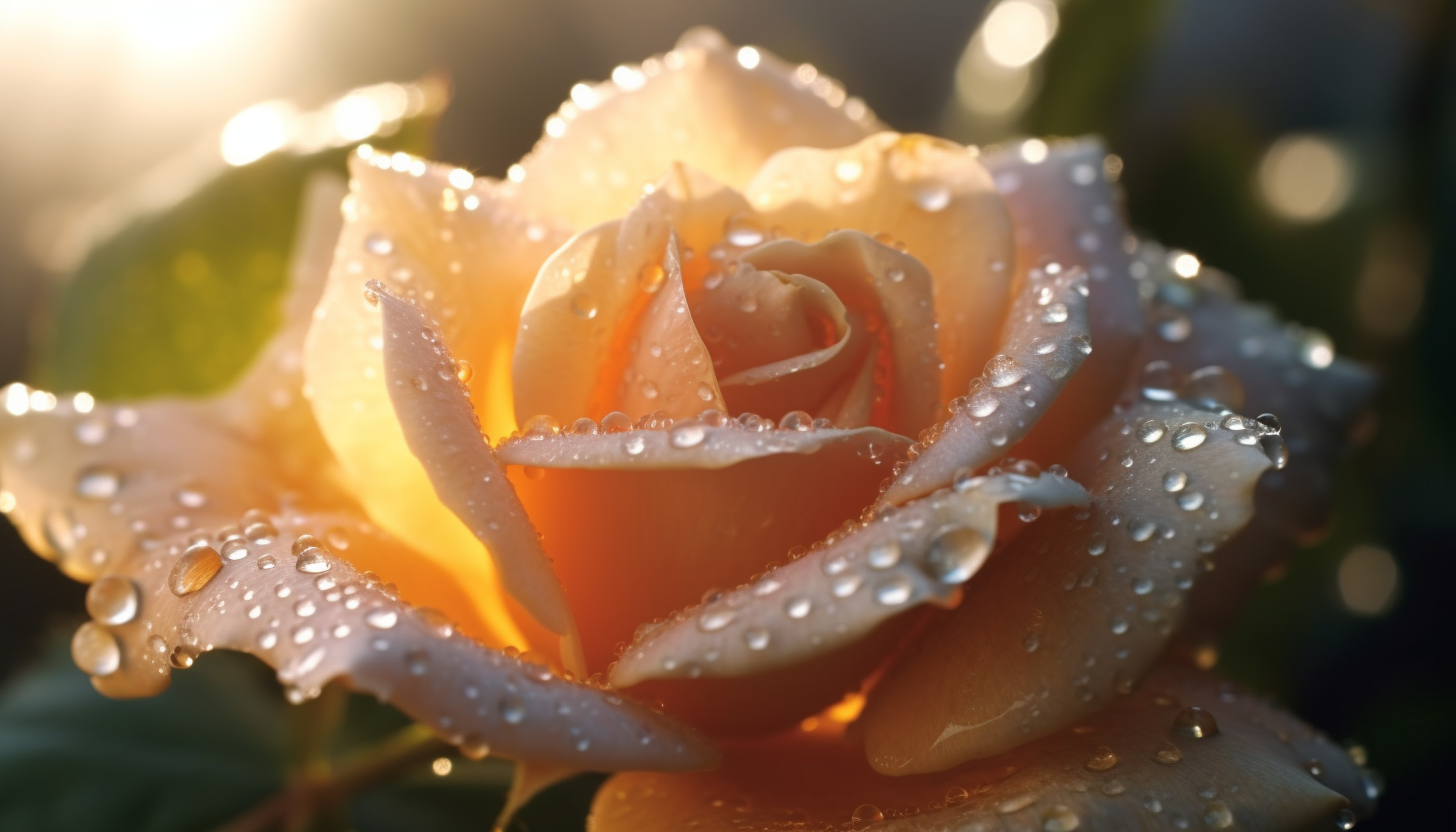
column 1306, row 146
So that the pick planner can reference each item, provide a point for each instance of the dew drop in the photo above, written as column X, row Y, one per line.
column 1059, row 819
column 1142, row 530
column 1168, row 754
column 1096, row 545
column 1004, row 371
column 796, row 420
column 381, row 619
column 956, row 553
column 417, row 662
column 1160, row 382
column 687, row 434
column 955, row 796
column 1056, row 313
column 113, row 599
column 756, row 638
column 379, row 244
column 464, row 370
column 742, row 231
column 1189, row 436
column 512, row 710
column 98, row 482
column 1150, row 431
column 883, row 555
column 798, row 607
column 1194, row 723
column 1190, row 500
column 932, row 198
column 634, row 445
column 651, row 277
column 1345, row 819
column 1174, row 481
column 1276, row 450
column 194, row 570
column 1102, row 759
column 312, row 558
column 867, row 813
column 181, row 657
column 95, row 650
column 893, row 591
column 983, row 404
column 583, row 306
column 715, row 619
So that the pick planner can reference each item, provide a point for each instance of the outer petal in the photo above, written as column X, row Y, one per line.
column 930, row 195
column 443, row 432
column 1080, row 605
column 274, row 589
column 468, row 261
column 1066, row 210
column 1107, row 774
column 918, row 553
column 718, row 109
column 1044, row 343
column 1281, row 368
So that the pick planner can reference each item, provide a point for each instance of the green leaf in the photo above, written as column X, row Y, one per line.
column 71, row 759
column 180, row 301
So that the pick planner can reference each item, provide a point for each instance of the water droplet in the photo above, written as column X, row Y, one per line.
column 1269, row 423
column 1173, row 325
column 1345, row 819
column 181, row 658
column 1059, row 819
column 895, row 275
column 1056, row 313
column 983, row 404
column 1150, row 431
column 688, row 434
column 1218, row 816
column 634, row 445
column 867, row 813
column 381, row 619
column 583, row 306
column 955, row 796
column 512, row 710
column 312, row 557
column 267, row 562
column 1213, row 388
column 1194, row 723
column 1189, row 436
column 1112, row 788
column 715, row 619
column 379, row 244
column 1102, row 759
column 956, row 553
column 1190, row 501
column 932, row 197
column 194, row 570
column 113, row 599
column 1168, row 754
column 1142, row 586
column 1004, row 371
column 1276, row 450
column 756, row 638
column 651, row 277
column 1160, row 382
column 883, row 555
column 190, row 498
column 1141, row 530
column 1096, row 545
column 417, row 662
column 798, row 607
column 743, row 231
column 464, row 370
column 95, row 650
column 796, row 420
column 894, row 591
column 1174, row 481
column 98, row 482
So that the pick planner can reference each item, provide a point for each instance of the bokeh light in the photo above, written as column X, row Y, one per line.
column 1306, row 178
column 1368, row 580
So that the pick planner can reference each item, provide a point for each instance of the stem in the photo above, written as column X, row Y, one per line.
column 309, row 791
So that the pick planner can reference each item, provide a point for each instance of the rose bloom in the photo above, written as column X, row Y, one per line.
column 869, row 478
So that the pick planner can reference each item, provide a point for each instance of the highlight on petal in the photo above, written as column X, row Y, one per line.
column 271, row 585
column 1080, row 604
column 443, row 432
column 468, row 261
column 840, row 591
column 1065, row 209
column 931, row 199
column 1045, row 341
column 621, row 511
column 1219, row 346
column 718, row 109
column 1138, row 764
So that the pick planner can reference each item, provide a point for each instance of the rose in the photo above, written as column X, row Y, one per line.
column 708, row 310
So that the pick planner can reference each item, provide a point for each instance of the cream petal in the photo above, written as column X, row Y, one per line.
column 585, row 307
column 1080, row 604
column 443, row 432
column 917, row 553
column 892, row 292
column 278, row 591
column 1106, row 774
column 1045, row 341
column 468, row 261
column 931, row 195
column 1200, row 324
column 718, row 109
column 1066, row 211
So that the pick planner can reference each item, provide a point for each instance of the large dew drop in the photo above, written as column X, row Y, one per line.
column 113, row 600
column 194, row 570
column 95, row 650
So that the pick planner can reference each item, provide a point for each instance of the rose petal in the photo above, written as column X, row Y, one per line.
column 1254, row 773
column 1043, row 345
column 586, row 307
column 468, row 261
column 444, row 434
column 917, row 553
column 276, row 590
column 891, row 292
column 931, row 195
column 717, row 109
column 1080, row 605
column 621, row 514
column 1066, row 210
column 1280, row 368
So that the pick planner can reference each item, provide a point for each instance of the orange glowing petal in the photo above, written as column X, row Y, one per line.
column 1081, row 604
column 468, row 262
column 642, row 523
column 702, row 104
column 1111, row 772
column 918, row 553
column 928, row 195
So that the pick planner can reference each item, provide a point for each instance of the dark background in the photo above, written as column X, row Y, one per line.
column 1191, row 93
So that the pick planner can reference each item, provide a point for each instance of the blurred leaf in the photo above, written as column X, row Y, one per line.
column 71, row 759
column 180, row 301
